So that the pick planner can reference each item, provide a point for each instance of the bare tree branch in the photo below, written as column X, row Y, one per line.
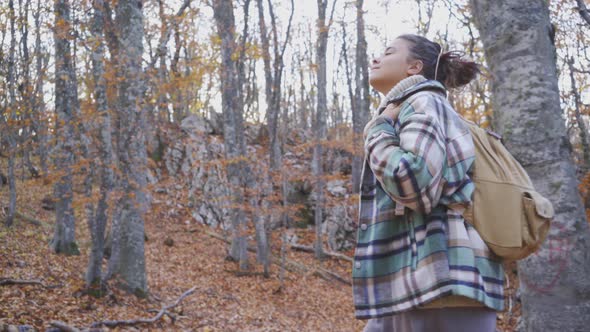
column 331, row 15
column 113, row 323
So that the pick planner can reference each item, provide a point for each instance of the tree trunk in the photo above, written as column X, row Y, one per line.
column 97, row 223
column 64, row 238
column 39, row 122
column 128, row 253
column 320, row 120
column 162, row 51
column 273, row 78
column 10, row 135
column 579, row 119
column 26, row 91
column 525, row 98
column 233, row 132
column 361, row 111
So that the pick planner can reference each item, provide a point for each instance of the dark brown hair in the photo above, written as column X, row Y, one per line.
column 453, row 71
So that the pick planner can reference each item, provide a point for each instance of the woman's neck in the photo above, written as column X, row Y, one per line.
column 400, row 87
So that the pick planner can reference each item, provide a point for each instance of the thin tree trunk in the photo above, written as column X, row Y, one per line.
column 162, row 51
column 10, row 136
column 39, row 122
column 97, row 224
column 579, row 120
column 235, row 148
column 64, row 238
column 516, row 35
column 583, row 9
column 361, row 111
column 273, row 79
column 320, row 124
column 265, row 187
column 180, row 102
column 26, row 91
column 303, row 112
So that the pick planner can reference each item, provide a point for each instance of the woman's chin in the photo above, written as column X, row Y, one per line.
column 375, row 83
column 377, row 86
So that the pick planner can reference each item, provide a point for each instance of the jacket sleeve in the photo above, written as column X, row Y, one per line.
column 409, row 162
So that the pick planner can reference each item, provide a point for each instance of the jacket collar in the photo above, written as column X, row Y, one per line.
column 407, row 87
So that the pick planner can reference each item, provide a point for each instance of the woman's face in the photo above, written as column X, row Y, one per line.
column 393, row 66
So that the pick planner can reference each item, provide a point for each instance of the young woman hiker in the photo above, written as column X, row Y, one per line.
column 418, row 265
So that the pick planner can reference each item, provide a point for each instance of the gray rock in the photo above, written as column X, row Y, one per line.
column 336, row 188
column 215, row 122
column 196, row 125
column 339, row 226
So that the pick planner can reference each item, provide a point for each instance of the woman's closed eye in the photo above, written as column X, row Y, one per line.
column 389, row 50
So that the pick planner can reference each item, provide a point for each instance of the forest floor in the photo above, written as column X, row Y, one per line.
column 222, row 301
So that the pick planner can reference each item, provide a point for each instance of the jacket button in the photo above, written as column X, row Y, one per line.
column 364, row 227
column 357, row 265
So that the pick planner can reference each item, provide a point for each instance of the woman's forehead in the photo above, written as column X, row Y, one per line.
column 397, row 44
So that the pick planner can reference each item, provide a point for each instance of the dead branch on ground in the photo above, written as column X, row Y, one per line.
column 10, row 281
column 113, row 323
column 129, row 322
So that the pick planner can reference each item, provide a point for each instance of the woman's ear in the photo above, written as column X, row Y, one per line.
column 415, row 67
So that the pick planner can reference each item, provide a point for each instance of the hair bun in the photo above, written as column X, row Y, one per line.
column 455, row 71
column 446, row 67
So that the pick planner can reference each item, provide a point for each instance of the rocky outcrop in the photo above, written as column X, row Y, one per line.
column 196, row 154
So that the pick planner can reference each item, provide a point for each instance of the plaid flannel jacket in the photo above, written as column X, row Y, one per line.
column 419, row 165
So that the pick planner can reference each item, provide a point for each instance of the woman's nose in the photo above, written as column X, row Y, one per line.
column 375, row 61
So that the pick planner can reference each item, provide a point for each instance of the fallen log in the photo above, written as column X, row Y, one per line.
column 30, row 220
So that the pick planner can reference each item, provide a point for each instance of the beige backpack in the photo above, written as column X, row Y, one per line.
column 510, row 216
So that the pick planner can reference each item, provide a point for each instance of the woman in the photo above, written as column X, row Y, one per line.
column 418, row 265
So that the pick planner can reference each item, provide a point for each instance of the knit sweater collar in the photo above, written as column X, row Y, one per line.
column 408, row 86
column 400, row 87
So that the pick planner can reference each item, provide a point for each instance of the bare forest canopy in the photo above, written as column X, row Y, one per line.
column 225, row 134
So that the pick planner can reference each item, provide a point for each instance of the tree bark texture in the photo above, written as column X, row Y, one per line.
column 320, row 124
column 64, row 239
column 233, row 131
column 525, row 98
column 361, row 111
column 39, row 122
column 97, row 222
column 128, row 253
column 10, row 134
